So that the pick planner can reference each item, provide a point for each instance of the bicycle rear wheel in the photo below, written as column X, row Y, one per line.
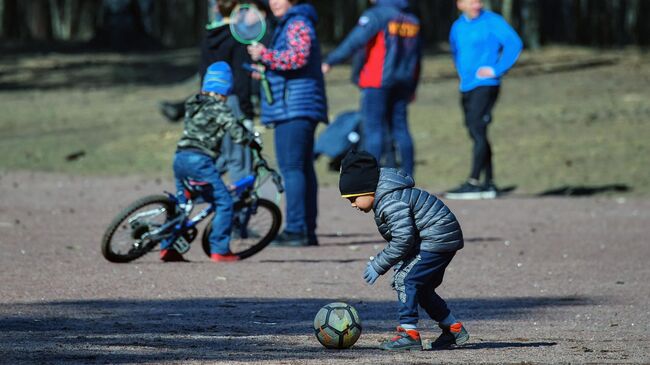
column 249, row 238
column 126, row 236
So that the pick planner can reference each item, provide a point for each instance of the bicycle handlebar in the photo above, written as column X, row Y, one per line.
column 261, row 163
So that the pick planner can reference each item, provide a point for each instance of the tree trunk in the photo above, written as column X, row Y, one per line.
column 123, row 26
column 488, row 4
column 631, row 19
column 643, row 27
column 38, row 20
column 569, row 15
column 2, row 19
column 361, row 6
column 506, row 10
column 530, row 22
column 339, row 19
column 87, row 22
column 61, row 16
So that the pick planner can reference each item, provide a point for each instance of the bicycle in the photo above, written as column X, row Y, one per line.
column 145, row 223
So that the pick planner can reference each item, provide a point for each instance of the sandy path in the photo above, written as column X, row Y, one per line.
column 540, row 281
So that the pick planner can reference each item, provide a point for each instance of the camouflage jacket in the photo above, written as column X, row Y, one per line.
column 207, row 120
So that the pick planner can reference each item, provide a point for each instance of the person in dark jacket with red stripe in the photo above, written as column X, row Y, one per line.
column 390, row 35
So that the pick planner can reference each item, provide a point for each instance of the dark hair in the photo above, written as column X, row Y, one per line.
column 260, row 4
column 226, row 6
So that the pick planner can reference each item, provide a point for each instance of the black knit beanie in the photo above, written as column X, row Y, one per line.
column 359, row 174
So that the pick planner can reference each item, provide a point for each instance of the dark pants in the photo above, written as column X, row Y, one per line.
column 477, row 106
column 384, row 113
column 416, row 281
column 294, row 148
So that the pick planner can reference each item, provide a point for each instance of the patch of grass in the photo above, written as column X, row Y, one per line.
column 586, row 127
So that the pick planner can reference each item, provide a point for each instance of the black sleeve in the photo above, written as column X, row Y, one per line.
column 204, row 62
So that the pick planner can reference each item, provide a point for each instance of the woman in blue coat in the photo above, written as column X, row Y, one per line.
column 293, row 68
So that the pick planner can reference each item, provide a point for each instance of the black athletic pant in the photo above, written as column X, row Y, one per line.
column 477, row 106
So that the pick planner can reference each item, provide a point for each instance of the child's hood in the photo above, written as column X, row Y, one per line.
column 390, row 180
column 306, row 10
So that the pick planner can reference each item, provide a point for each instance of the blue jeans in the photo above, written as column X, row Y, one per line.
column 200, row 167
column 416, row 281
column 385, row 113
column 294, row 148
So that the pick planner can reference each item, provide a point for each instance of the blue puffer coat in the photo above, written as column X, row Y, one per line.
column 411, row 220
column 296, row 93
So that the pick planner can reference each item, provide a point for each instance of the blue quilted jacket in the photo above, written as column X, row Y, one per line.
column 297, row 93
column 411, row 220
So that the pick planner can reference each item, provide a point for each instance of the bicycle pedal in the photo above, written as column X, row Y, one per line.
column 181, row 245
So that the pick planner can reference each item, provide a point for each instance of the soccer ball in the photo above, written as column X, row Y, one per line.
column 337, row 326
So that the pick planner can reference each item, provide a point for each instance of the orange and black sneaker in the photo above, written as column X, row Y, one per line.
column 452, row 336
column 171, row 256
column 227, row 257
column 405, row 340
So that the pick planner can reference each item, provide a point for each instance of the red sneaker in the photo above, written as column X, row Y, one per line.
column 228, row 257
column 171, row 256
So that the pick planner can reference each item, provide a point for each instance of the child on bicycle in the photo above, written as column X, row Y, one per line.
column 423, row 236
column 207, row 120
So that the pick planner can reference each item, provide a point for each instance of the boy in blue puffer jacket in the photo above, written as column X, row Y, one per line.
column 423, row 236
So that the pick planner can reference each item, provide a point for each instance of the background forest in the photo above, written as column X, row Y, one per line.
column 179, row 23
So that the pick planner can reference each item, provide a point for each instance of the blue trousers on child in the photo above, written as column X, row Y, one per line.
column 201, row 167
column 416, row 281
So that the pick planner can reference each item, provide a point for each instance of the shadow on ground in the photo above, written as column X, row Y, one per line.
column 583, row 190
column 134, row 331
column 506, row 345
column 96, row 70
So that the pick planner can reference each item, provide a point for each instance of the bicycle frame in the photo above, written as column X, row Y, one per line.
column 243, row 190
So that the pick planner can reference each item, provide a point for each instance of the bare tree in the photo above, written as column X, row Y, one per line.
column 530, row 23
column 506, row 10
column 631, row 19
column 61, row 13
column 2, row 18
column 38, row 20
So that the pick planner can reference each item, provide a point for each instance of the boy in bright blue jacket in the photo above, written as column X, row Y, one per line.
column 484, row 47
column 390, row 35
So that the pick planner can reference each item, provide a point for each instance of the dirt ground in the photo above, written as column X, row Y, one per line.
column 541, row 280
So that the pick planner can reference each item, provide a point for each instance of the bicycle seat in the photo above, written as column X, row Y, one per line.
column 195, row 188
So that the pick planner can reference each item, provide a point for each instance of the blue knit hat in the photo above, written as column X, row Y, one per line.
column 218, row 79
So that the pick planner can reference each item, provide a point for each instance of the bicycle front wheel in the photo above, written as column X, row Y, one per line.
column 127, row 236
column 253, row 229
